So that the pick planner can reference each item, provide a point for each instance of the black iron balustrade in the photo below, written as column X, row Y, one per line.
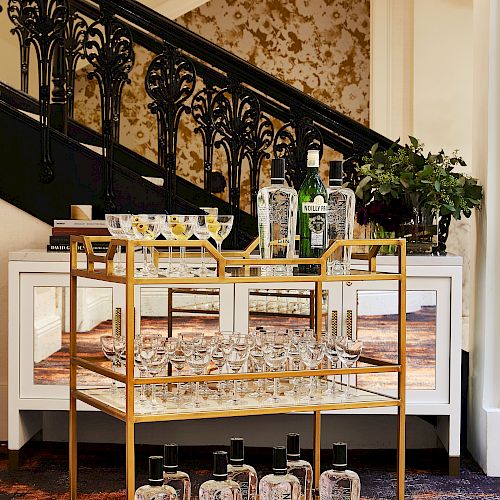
column 108, row 48
column 188, row 76
column 170, row 81
column 41, row 24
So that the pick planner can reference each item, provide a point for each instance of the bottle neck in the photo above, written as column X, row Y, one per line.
column 339, row 468
column 293, row 456
column 335, row 182
column 219, row 477
column 155, row 482
column 280, row 472
column 277, row 181
column 236, row 462
column 170, row 469
column 312, row 169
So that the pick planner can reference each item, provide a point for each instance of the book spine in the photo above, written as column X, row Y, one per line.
column 66, row 248
column 79, row 223
column 80, row 231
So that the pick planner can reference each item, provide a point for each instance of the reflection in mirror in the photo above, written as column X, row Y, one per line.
column 51, row 325
column 174, row 310
column 377, row 326
column 282, row 309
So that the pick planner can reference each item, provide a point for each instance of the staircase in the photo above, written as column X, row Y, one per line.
column 239, row 111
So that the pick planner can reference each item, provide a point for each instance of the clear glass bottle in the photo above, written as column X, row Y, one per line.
column 313, row 210
column 277, row 207
column 220, row 487
column 155, row 490
column 301, row 469
column 341, row 210
column 245, row 475
column 279, row 485
column 172, row 476
column 338, row 482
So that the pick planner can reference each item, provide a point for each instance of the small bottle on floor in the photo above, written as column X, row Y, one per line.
column 155, row 489
column 172, row 476
column 279, row 485
column 220, row 487
column 240, row 472
column 301, row 469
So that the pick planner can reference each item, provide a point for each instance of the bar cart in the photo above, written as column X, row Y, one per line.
column 231, row 267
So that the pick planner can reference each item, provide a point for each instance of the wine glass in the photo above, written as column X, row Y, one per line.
column 198, row 360
column 113, row 223
column 147, row 227
column 312, row 353
column 140, row 366
column 200, row 230
column 181, row 227
column 108, row 349
column 221, row 348
column 276, row 350
column 237, row 357
column 257, row 356
column 219, row 226
column 167, row 234
column 348, row 351
column 178, row 361
column 330, row 342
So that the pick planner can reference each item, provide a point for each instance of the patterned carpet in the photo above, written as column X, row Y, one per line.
column 43, row 473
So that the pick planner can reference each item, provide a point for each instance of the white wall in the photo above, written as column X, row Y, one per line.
column 421, row 72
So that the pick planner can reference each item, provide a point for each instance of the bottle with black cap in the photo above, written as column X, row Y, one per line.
column 279, row 485
column 301, row 469
column 220, row 487
column 341, row 210
column 277, row 208
column 245, row 475
column 339, row 482
column 155, row 489
column 172, row 475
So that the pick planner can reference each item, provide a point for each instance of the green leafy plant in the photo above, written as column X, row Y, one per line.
column 393, row 182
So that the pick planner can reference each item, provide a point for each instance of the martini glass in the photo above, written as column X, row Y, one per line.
column 147, row 227
column 219, row 226
column 181, row 227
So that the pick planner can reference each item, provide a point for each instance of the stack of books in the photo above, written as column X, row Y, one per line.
column 63, row 229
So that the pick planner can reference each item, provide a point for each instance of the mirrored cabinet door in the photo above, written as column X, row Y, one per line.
column 373, row 309
column 44, row 331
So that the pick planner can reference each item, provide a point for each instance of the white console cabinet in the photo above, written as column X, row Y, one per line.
column 39, row 315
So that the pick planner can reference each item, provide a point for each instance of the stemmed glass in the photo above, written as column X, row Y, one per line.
column 198, row 360
column 276, row 350
column 178, row 361
column 330, row 342
column 181, row 227
column 113, row 223
column 201, row 232
column 147, row 227
column 108, row 349
column 348, row 351
column 140, row 366
column 237, row 358
column 167, row 234
column 312, row 353
column 150, row 359
column 257, row 356
column 221, row 348
column 219, row 226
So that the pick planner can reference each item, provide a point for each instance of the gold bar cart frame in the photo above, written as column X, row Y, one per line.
column 100, row 267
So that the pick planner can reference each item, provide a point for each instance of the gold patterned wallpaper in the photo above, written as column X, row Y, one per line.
column 320, row 46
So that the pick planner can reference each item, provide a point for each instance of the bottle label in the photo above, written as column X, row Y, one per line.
column 279, row 211
column 317, row 226
column 317, row 206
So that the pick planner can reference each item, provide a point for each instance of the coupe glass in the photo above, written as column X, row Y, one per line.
column 113, row 223
column 181, row 227
column 312, row 354
column 348, row 351
column 219, row 226
column 108, row 349
column 198, row 360
column 201, row 232
column 147, row 227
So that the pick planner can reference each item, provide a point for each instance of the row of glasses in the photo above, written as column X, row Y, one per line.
column 232, row 351
column 172, row 227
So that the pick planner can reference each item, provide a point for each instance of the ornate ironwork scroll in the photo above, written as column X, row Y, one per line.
column 292, row 142
column 14, row 13
column 170, row 81
column 74, row 38
column 108, row 47
column 40, row 23
column 261, row 141
column 236, row 112
column 201, row 108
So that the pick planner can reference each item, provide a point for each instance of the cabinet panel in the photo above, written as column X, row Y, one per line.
column 374, row 309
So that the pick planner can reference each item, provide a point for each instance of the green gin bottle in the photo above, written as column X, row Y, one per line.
column 313, row 213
